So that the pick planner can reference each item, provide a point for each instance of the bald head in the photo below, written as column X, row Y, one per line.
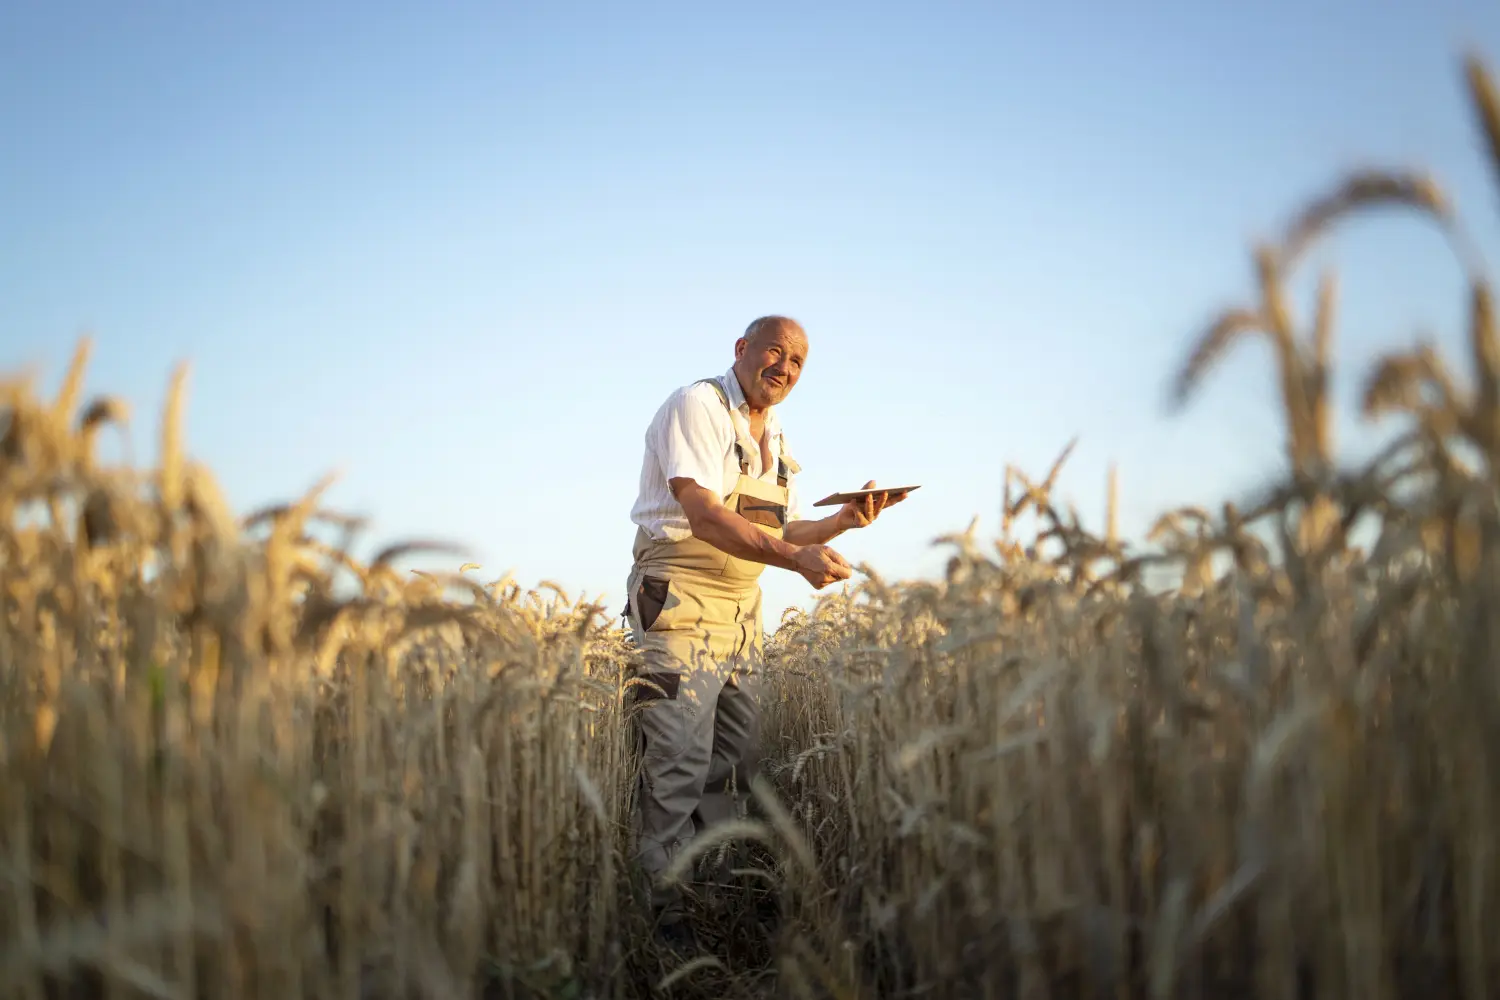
column 768, row 359
column 773, row 325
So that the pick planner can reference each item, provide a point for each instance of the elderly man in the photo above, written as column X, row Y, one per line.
column 717, row 504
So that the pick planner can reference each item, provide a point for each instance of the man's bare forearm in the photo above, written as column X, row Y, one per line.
column 818, row 532
column 731, row 533
column 727, row 531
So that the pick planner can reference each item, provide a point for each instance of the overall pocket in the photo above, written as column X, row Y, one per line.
column 651, row 597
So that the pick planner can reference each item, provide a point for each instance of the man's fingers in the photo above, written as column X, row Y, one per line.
column 833, row 575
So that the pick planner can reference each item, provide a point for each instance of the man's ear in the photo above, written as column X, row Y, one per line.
column 739, row 348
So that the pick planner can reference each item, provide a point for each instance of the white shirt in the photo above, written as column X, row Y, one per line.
column 693, row 435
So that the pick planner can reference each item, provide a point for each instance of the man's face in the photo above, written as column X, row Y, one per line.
column 769, row 365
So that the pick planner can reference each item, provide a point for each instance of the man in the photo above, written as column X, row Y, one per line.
column 717, row 504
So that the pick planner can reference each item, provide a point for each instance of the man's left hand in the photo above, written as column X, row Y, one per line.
column 862, row 511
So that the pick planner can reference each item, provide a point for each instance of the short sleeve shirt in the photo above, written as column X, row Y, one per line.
column 692, row 435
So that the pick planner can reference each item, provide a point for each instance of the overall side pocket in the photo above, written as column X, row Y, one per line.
column 650, row 599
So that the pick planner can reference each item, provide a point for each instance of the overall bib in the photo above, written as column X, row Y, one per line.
column 695, row 614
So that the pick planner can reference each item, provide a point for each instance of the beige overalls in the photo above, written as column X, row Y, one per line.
column 695, row 613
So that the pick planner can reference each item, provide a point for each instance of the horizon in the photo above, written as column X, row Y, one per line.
column 462, row 255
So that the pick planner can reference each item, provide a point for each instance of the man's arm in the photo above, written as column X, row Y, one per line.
column 854, row 514
column 819, row 532
column 727, row 531
column 691, row 445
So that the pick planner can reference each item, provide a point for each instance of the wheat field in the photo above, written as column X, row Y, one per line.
column 236, row 762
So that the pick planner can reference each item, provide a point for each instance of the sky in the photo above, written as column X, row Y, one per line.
column 459, row 253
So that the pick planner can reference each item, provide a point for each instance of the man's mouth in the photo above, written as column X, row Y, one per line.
column 773, row 380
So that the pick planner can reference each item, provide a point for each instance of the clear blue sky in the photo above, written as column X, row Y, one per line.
column 462, row 251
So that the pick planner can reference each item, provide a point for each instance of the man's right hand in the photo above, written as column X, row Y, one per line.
column 820, row 565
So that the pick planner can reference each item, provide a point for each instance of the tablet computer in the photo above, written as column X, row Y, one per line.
column 843, row 498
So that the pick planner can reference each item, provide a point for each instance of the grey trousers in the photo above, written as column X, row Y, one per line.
column 697, row 716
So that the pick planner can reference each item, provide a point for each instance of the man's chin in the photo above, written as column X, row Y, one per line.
column 773, row 394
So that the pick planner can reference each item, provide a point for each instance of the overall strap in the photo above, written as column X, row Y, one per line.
column 786, row 466
column 783, row 471
column 724, row 398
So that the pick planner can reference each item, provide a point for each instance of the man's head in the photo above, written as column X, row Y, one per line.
column 768, row 359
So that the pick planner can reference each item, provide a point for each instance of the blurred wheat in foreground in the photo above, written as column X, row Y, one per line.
column 235, row 762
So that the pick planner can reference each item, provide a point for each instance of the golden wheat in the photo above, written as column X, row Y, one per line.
column 237, row 762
